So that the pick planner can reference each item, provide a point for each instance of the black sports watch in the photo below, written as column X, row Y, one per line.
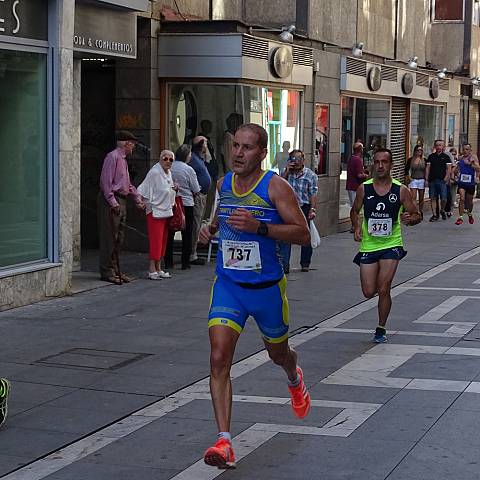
column 262, row 229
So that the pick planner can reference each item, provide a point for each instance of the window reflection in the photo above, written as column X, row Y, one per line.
column 366, row 121
column 224, row 108
column 425, row 125
column 23, row 164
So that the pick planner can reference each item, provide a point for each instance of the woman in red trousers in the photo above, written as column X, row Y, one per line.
column 158, row 192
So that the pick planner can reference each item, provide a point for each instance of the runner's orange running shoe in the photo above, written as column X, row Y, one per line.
column 220, row 455
column 300, row 397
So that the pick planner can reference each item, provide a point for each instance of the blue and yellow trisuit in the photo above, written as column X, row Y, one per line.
column 249, row 276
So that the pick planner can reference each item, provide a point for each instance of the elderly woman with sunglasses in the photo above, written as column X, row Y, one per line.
column 158, row 191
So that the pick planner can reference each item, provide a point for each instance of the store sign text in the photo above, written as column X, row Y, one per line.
column 104, row 31
column 15, row 16
column 24, row 18
column 101, row 44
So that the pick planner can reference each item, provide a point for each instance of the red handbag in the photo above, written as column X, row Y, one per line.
column 177, row 222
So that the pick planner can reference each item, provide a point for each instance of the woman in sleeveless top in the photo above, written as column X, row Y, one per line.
column 415, row 176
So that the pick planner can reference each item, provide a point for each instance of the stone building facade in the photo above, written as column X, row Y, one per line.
column 90, row 80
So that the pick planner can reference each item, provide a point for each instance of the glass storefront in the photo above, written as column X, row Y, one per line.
column 321, row 138
column 363, row 120
column 217, row 110
column 23, row 163
column 426, row 125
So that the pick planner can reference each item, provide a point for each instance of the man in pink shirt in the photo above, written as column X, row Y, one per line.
column 115, row 187
column 355, row 172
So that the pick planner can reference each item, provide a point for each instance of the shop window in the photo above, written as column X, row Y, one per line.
column 223, row 108
column 23, row 163
column 476, row 12
column 292, row 108
column 366, row 121
column 426, row 125
column 451, row 131
column 371, row 126
column 321, row 138
column 448, row 10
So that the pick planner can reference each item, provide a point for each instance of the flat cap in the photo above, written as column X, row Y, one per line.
column 125, row 135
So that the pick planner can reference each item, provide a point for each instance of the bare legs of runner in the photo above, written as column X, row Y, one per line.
column 223, row 341
column 377, row 278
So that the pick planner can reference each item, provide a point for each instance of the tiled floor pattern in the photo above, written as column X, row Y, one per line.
column 374, row 368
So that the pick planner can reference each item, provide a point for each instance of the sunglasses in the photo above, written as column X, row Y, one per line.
column 166, row 159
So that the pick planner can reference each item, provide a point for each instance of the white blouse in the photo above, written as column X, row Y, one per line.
column 157, row 190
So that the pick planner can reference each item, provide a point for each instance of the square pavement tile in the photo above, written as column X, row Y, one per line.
column 9, row 463
column 303, row 457
column 430, row 340
column 67, row 377
column 408, row 423
column 167, row 443
column 247, row 412
column 63, row 420
column 113, row 402
column 30, row 443
column 423, row 399
column 431, row 462
column 439, row 367
column 348, row 393
column 467, row 401
column 457, row 431
column 85, row 470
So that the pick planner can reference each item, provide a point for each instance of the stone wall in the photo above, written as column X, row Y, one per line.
column 327, row 91
column 333, row 21
column 445, row 46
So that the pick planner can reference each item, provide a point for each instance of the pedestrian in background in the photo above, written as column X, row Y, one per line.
column 197, row 162
column 415, row 176
column 453, row 177
column 115, row 187
column 355, row 173
column 158, row 191
column 185, row 177
column 281, row 158
column 437, row 174
column 467, row 169
column 304, row 183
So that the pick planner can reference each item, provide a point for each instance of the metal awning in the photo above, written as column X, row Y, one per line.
column 137, row 5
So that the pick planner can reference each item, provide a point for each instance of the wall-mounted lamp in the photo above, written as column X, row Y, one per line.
column 286, row 33
column 357, row 50
column 412, row 63
column 475, row 81
column 442, row 73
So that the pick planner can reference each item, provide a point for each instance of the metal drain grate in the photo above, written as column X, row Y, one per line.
column 91, row 359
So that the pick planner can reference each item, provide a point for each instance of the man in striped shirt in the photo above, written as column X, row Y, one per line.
column 304, row 184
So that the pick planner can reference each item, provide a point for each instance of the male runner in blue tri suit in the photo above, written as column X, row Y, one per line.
column 257, row 208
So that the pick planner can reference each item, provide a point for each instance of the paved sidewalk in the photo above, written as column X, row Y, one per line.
column 81, row 366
